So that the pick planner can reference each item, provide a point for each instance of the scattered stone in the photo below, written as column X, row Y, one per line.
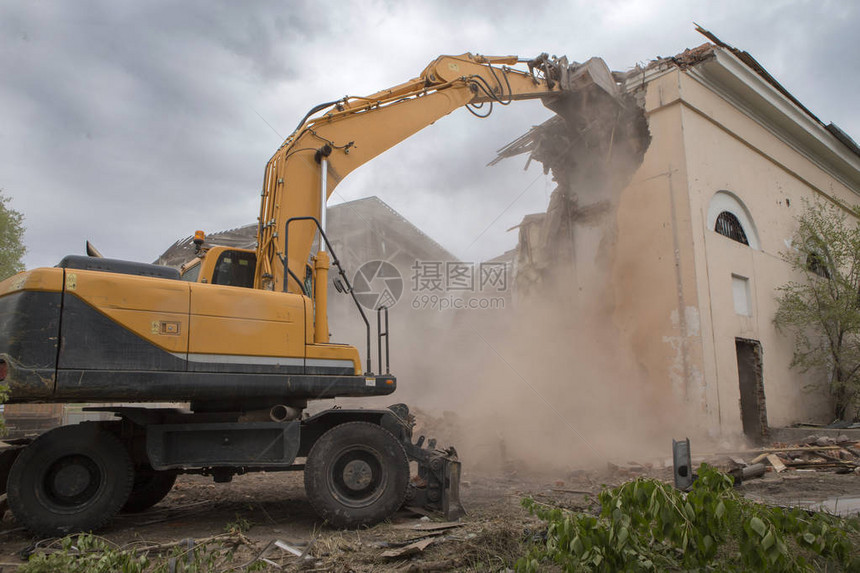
column 776, row 463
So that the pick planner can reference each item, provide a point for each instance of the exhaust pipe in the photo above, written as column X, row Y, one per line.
column 282, row 413
column 279, row 413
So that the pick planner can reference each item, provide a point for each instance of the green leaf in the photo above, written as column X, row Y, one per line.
column 721, row 510
column 768, row 540
column 809, row 538
column 688, row 509
column 758, row 526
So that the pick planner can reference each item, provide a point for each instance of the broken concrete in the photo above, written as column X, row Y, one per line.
column 592, row 148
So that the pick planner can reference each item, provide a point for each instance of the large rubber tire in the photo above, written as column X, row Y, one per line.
column 150, row 487
column 356, row 475
column 71, row 479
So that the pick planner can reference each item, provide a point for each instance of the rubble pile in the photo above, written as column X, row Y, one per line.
column 814, row 453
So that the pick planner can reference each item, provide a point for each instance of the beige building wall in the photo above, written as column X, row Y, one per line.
column 723, row 139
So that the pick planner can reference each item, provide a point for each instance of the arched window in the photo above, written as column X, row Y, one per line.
column 728, row 216
column 729, row 226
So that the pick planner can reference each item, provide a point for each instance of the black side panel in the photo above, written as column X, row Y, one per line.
column 117, row 266
column 329, row 371
column 225, row 444
column 127, row 386
column 29, row 330
column 271, row 368
column 226, row 367
column 92, row 341
column 29, row 327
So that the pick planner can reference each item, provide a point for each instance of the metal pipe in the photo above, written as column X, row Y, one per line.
column 282, row 413
column 323, row 199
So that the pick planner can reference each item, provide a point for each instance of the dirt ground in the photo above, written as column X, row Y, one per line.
column 263, row 507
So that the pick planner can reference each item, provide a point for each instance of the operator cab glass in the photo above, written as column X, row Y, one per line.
column 235, row 268
column 191, row 273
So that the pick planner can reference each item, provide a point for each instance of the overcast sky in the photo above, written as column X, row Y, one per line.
column 134, row 123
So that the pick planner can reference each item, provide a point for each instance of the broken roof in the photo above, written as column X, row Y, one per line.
column 705, row 52
column 735, row 72
column 365, row 212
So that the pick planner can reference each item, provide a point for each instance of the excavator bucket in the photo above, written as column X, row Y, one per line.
column 452, row 509
column 436, row 487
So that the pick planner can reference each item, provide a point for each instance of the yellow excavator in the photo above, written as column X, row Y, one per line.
column 241, row 336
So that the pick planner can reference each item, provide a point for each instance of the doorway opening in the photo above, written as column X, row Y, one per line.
column 751, row 382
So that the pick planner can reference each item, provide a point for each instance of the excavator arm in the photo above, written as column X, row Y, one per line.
column 345, row 134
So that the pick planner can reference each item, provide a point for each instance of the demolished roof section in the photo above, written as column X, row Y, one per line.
column 695, row 56
column 356, row 227
column 592, row 146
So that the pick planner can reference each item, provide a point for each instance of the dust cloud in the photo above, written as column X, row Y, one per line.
column 550, row 383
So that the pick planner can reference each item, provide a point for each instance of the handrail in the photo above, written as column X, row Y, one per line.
column 380, row 334
column 341, row 272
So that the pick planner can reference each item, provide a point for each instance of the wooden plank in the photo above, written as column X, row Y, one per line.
column 776, row 463
column 428, row 526
column 769, row 450
column 410, row 549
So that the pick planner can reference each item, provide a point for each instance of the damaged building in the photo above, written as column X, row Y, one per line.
column 361, row 231
column 678, row 188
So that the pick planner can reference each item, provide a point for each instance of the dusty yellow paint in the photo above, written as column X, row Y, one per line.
column 139, row 304
column 335, row 352
column 50, row 280
column 236, row 320
column 321, row 266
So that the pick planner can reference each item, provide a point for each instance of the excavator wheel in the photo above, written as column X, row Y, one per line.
column 356, row 474
column 73, row 478
column 150, row 487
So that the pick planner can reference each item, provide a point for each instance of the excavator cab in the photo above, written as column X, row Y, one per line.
column 222, row 266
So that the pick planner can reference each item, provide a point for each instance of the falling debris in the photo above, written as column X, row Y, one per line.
column 592, row 147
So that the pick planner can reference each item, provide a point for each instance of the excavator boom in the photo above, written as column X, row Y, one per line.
column 354, row 130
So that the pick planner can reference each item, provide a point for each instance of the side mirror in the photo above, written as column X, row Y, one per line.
column 92, row 251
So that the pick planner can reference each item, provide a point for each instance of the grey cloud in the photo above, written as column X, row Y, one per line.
column 135, row 123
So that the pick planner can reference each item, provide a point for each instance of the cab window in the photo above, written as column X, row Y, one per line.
column 191, row 274
column 235, row 268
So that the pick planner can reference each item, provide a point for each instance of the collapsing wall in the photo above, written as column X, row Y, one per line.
column 557, row 365
column 592, row 146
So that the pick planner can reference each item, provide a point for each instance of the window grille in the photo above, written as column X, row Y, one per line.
column 729, row 226
column 815, row 263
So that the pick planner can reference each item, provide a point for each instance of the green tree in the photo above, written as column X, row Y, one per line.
column 822, row 312
column 11, row 239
